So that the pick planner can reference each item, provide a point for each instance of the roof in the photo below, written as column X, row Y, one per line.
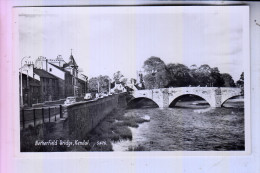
column 72, row 61
column 80, row 80
column 60, row 68
column 32, row 81
column 43, row 73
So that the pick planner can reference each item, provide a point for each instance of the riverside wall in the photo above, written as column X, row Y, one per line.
column 84, row 116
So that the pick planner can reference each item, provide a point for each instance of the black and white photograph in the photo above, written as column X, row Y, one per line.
column 133, row 78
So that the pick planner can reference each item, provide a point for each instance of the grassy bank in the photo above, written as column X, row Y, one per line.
column 48, row 132
column 114, row 127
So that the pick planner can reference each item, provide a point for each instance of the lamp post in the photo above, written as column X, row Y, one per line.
column 21, row 78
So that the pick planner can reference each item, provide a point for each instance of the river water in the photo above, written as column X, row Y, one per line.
column 193, row 126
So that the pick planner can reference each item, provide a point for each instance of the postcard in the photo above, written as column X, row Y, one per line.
column 163, row 80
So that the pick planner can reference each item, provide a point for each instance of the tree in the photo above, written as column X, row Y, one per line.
column 228, row 80
column 93, row 84
column 162, row 79
column 100, row 83
column 207, row 76
column 153, row 65
column 118, row 76
column 179, row 75
column 203, row 75
column 215, row 78
column 193, row 74
column 124, row 81
column 150, row 81
column 155, row 73
column 103, row 84
column 240, row 83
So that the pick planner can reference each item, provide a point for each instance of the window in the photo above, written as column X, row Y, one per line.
column 50, row 69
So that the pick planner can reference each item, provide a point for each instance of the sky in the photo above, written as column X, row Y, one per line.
column 109, row 39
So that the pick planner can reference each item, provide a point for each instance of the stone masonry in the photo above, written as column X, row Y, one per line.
column 165, row 96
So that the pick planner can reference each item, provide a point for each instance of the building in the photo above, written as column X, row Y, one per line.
column 72, row 67
column 49, row 86
column 118, row 88
column 51, row 79
column 30, row 90
column 67, row 73
column 31, row 85
column 81, row 88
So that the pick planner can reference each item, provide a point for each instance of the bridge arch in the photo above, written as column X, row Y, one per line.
column 175, row 99
column 225, row 99
column 140, row 98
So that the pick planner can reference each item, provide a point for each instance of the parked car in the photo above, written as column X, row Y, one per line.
column 88, row 96
column 70, row 100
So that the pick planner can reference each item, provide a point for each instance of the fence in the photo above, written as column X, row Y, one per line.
column 40, row 115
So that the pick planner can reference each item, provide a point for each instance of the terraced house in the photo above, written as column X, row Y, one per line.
column 56, row 80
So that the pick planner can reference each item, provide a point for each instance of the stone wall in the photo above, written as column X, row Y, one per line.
column 84, row 116
column 165, row 96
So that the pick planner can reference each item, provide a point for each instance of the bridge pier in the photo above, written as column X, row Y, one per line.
column 218, row 97
column 165, row 98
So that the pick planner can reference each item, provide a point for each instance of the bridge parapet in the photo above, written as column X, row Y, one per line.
column 207, row 93
column 227, row 93
column 215, row 96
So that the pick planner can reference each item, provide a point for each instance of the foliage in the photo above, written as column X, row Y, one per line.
column 179, row 75
column 240, row 83
column 159, row 75
column 156, row 75
column 216, row 78
column 101, row 81
column 124, row 81
column 153, row 65
column 118, row 76
column 150, row 81
column 203, row 75
column 228, row 80
column 93, row 84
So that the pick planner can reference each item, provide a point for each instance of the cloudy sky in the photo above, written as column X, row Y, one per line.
column 107, row 39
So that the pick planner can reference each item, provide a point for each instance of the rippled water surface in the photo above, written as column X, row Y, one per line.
column 188, row 129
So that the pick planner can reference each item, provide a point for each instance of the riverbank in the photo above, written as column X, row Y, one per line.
column 114, row 128
column 52, row 137
column 90, row 126
column 169, row 129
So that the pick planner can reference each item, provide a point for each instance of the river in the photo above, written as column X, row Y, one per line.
column 191, row 126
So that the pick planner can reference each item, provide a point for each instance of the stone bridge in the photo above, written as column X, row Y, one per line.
column 163, row 97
